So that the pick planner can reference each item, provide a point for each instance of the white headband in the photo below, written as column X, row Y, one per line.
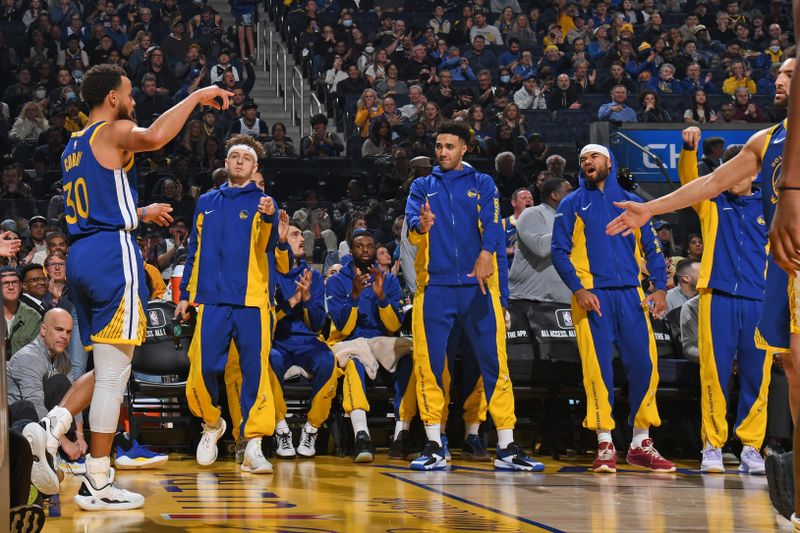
column 243, row 148
column 595, row 148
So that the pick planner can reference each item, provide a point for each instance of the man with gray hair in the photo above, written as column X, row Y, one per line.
column 506, row 178
column 417, row 103
column 556, row 164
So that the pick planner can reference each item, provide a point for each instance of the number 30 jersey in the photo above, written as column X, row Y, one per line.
column 96, row 198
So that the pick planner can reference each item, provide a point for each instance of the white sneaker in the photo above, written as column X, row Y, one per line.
column 308, row 441
column 712, row 461
column 49, row 425
column 285, row 446
column 43, row 474
column 207, row 449
column 107, row 497
column 751, row 462
column 254, row 460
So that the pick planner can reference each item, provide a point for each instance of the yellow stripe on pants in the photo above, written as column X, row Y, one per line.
column 598, row 408
column 353, row 390
column 197, row 395
column 261, row 418
column 430, row 398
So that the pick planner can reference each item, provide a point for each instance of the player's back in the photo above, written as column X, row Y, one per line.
column 771, row 164
column 96, row 198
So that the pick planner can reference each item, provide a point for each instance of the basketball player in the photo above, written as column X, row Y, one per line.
column 453, row 218
column 609, row 308
column 104, row 264
column 731, row 287
column 228, row 273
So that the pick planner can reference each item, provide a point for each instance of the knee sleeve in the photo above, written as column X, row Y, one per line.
column 112, row 368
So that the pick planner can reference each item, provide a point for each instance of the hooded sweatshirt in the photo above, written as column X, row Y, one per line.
column 305, row 318
column 586, row 257
column 467, row 209
column 366, row 316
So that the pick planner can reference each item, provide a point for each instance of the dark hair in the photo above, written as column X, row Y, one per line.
column 644, row 94
column 55, row 235
column 459, row 129
column 319, row 119
column 276, row 124
column 358, row 233
column 731, row 152
column 29, row 267
column 374, row 130
column 351, row 224
column 712, row 142
column 550, row 186
column 683, row 266
column 99, row 81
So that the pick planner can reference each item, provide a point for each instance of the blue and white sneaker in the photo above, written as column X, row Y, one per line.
column 138, row 457
column 752, row 462
column 431, row 458
column 513, row 458
column 446, row 448
column 473, row 449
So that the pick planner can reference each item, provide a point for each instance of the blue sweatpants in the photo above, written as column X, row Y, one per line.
column 624, row 323
column 250, row 329
column 316, row 358
column 726, row 326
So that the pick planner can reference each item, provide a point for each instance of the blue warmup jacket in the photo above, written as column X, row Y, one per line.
column 227, row 260
column 366, row 317
column 585, row 257
column 467, row 209
column 306, row 318
column 734, row 235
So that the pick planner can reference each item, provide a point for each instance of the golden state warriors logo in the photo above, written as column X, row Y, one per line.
column 243, row 214
column 776, row 166
column 472, row 193
column 761, row 221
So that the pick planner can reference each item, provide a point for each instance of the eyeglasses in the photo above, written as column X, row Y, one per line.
column 59, row 264
column 11, row 283
column 36, row 280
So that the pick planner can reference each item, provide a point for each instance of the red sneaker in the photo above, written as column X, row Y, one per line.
column 648, row 457
column 606, row 459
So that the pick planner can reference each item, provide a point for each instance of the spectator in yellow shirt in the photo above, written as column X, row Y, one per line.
column 740, row 77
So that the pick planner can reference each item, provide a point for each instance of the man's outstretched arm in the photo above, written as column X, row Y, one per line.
column 745, row 165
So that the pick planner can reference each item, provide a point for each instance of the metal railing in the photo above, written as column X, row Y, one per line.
column 298, row 92
column 281, row 66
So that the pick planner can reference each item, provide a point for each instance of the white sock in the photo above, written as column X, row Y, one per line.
column 604, row 435
column 358, row 417
column 708, row 446
column 308, row 428
column 639, row 435
column 63, row 421
column 282, row 427
column 471, row 429
column 434, row 432
column 504, row 438
column 97, row 469
column 401, row 425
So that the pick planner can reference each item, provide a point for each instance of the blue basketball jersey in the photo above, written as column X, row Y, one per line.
column 771, row 163
column 96, row 198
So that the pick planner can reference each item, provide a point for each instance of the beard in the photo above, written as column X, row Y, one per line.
column 601, row 174
column 124, row 113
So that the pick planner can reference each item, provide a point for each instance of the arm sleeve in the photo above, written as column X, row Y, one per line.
column 561, row 247
column 389, row 309
column 191, row 251
column 314, row 309
column 532, row 231
column 491, row 240
column 688, row 172
column 656, row 265
column 342, row 307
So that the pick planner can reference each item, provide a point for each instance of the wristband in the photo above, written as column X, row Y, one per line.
column 144, row 212
column 789, row 188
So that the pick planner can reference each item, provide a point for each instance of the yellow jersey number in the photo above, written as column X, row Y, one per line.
column 77, row 201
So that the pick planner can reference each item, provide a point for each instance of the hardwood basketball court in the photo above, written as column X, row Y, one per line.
column 331, row 494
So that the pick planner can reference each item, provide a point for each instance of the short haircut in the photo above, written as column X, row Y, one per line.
column 55, row 235
column 683, row 266
column 614, row 88
column 515, row 194
column 712, row 142
column 148, row 77
column 28, row 268
column 99, row 81
column 459, row 129
column 10, row 270
column 358, row 233
column 58, row 255
column 319, row 119
column 550, row 186
column 242, row 138
column 731, row 152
